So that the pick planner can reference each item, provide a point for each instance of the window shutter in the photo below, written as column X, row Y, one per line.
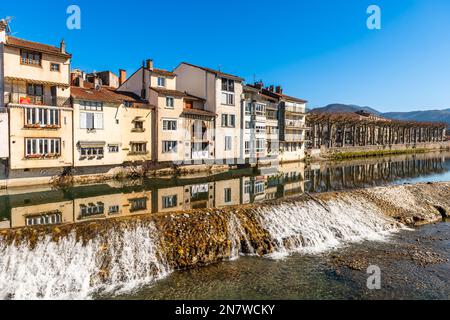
column 98, row 121
column 83, row 120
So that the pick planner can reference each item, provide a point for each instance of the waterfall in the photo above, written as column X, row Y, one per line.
column 122, row 256
column 119, row 261
column 313, row 226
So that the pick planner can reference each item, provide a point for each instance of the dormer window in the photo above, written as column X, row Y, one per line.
column 161, row 82
column 31, row 58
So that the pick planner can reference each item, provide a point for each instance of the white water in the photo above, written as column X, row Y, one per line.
column 313, row 227
column 69, row 270
column 130, row 258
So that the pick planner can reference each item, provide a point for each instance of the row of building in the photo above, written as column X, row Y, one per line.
column 54, row 118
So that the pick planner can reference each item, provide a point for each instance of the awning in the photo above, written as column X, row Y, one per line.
column 47, row 83
column 92, row 144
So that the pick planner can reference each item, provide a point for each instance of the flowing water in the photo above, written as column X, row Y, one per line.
column 131, row 260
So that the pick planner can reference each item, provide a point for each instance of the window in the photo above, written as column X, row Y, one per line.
column 259, row 187
column 170, row 125
column 227, row 85
column 91, row 120
column 228, row 143
column 92, row 152
column 138, row 204
column 31, row 58
column 113, row 148
column 260, row 145
column 35, row 89
column 170, row 102
column 161, row 82
column 227, row 195
column 169, row 201
column 260, row 109
column 92, row 209
column 138, row 126
column 138, row 148
column 248, row 187
column 228, row 98
column 272, row 114
column 45, row 219
column 260, row 129
column 247, row 147
column 249, row 125
column 113, row 210
column 91, row 106
column 228, row 120
column 55, row 67
column 42, row 117
column 169, row 146
column 248, row 108
column 42, row 147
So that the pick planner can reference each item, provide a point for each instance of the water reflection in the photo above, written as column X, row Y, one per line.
column 378, row 171
column 46, row 206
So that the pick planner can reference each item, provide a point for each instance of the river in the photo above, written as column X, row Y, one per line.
column 321, row 272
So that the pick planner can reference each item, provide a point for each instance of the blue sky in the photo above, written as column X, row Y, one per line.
column 318, row 50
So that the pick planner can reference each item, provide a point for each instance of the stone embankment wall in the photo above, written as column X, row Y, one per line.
column 332, row 152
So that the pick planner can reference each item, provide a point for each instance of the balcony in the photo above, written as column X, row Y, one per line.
column 32, row 100
column 296, row 110
column 294, row 138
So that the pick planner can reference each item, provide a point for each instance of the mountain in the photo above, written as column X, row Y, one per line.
column 429, row 115
column 338, row 107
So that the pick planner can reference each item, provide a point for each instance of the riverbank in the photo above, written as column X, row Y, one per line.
column 353, row 152
column 115, row 254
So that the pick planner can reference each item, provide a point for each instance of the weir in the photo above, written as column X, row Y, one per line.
column 85, row 260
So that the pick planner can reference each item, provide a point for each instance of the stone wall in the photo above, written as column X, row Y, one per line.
column 325, row 152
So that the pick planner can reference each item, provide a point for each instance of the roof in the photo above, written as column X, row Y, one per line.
column 36, row 46
column 192, row 97
column 107, row 94
column 163, row 72
column 199, row 112
column 286, row 97
column 168, row 92
column 216, row 72
column 48, row 83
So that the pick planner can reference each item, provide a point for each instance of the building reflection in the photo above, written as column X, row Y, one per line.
column 48, row 207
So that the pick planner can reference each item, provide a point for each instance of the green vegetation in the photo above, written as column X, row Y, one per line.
column 374, row 153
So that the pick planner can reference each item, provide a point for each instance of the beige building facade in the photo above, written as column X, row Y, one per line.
column 35, row 94
column 222, row 94
column 110, row 128
column 182, row 130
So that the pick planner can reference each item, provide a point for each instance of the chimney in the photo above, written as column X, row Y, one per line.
column 62, row 46
column 3, row 27
column 149, row 64
column 122, row 76
column 279, row 90
column 259, row 85
column 73, row 78
column 97, row 82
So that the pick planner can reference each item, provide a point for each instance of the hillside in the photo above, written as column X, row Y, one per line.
column 429, row 115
